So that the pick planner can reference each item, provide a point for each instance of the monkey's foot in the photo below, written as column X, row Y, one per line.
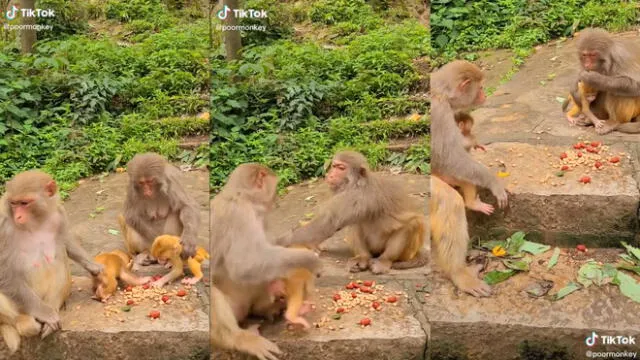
column 468, row 282
column 143, row 280
column 605, row 128
column 583, row 121
column 298, row 320
column 190, row 281
column 306, row 308
column 158, row 283
column 378, row 266
column 482, row 207
column 358, row 264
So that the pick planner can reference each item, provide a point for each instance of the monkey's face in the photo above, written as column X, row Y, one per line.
column 591, row 60
column 480, row 97
column 337, row 175
column 148, row 186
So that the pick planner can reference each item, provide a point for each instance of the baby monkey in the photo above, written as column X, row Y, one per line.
column 167, row 249
column 469, row 191
column 116, row 266
column 465, row 124
column 297, row 288
column 579, row 109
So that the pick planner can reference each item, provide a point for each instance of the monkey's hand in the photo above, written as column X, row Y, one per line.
column 188, row 246
column 94, row 268
column 594, row 79
column 50, row 319
column 501, row 194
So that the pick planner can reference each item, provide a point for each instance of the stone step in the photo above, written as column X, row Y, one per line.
column 181, row 332
column 561, row 210
column 511, row 325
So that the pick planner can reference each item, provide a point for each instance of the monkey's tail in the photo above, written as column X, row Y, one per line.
column 123, row 223
column 421, row 259
column 11, row 337
column 226, row 334
column 629, row 128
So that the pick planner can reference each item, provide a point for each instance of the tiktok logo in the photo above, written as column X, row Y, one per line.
column 12, row 13
column 222, row 14
column 591, row 340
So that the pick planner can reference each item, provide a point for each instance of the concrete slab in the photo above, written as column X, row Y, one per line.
column 562, row 210
column 394, row 333
column 93, row 330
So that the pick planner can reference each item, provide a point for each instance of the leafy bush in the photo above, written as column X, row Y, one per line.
column 70, row 18
column 464, row 25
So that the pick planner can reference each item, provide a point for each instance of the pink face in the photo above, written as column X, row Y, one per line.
column 20, row 209
column 337, row 173
column 590, row 60
column 480, row 96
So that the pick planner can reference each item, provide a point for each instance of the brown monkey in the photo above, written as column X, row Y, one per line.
column 465, row 124
column 611, row 67
column 35, row 245
column 157, row 204
column 244, row 265
column 456, row 87
column 450, row 238
column 167, row 249
column 116, row 266
column 580, row 107
column 469, row 190
column 379, row 215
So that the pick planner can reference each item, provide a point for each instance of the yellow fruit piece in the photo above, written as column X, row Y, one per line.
column 498, row 251
column 120, row 170
column 503, row 174
column 415, row 117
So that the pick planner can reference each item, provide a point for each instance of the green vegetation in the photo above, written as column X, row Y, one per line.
column 346, row 78
column 464, row 26
column 112, row 79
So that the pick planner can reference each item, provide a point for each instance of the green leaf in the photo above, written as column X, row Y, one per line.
column 515, row 242
column 520, row 265
column 534, row 248
column 114, row 232
column 126, row 308
column 633, row 251
column 635, row 269
column 99, row 209
column 628, row 258
column 592, row 273
column 628, row 286
column 497, row 276
column 336, row 316
column 559, row 174
column 571, row 287
column 554, row 258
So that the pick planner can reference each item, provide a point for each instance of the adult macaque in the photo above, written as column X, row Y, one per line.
column 116, row 267
column 455, row 88
column 580, row 107
column 611, row 67
column 450, row 238
column 244, row 265
column 379, row 213
column 157, row 204
column 35, row 245
column 469, row 191
column 167, row 249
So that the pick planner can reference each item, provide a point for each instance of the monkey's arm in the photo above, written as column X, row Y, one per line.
column 78, row 254
column 618, row 85
column 135, row 221
column 190, row 220
column 266, row 262
column 335, row 215
column 31, row 304
column 177, row 270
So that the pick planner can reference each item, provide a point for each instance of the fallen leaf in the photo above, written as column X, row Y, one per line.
column 571, row 287
column 520, row 265
column 539, row 288
column 629, row 287
column 534, row 248
column 633, row 251
column 554, row 258
column 560, row 99
column 497, row 276
column 114, row 232
column 594, row 273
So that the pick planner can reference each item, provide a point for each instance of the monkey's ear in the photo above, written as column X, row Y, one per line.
column 51, row 188
column 362, row 172
column 260, row 176
column 464, row 84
